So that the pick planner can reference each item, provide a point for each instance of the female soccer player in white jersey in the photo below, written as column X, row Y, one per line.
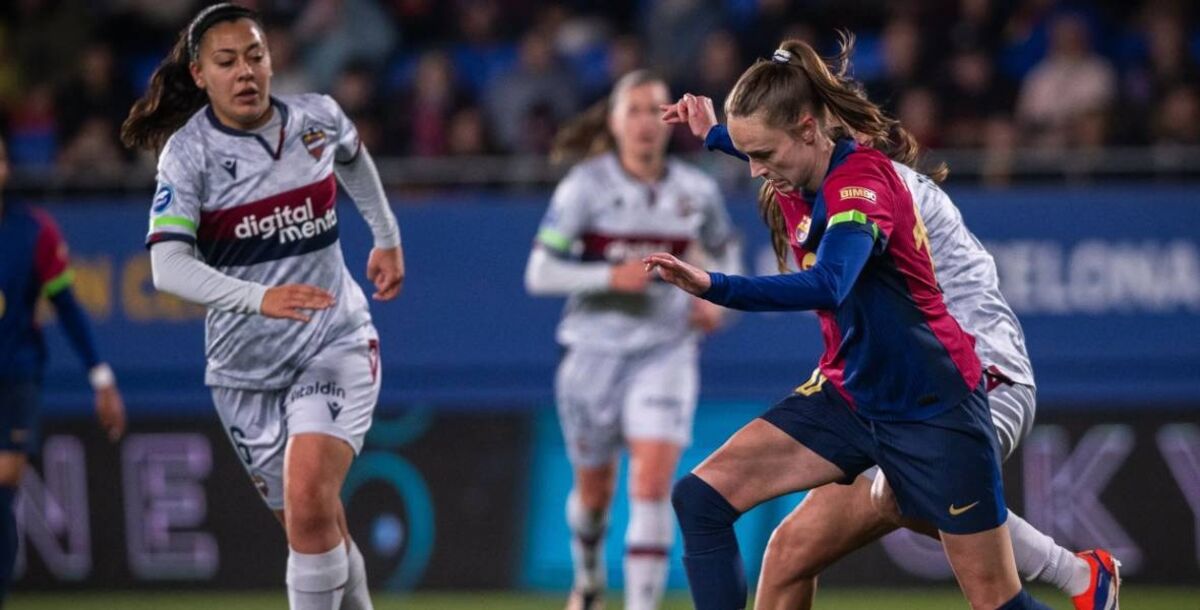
column 244, row 222
column 629, row 375
column 835, row 519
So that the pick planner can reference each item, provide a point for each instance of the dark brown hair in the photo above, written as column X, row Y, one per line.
column 798, row 80
column 173, row 97
column 587, row 134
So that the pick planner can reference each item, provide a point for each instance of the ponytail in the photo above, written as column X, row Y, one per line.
column 587, row 135
column 823, row 87
column 173, row 97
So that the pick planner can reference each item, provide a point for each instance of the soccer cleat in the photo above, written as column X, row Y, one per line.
column 1102, row 592
column 585, row 600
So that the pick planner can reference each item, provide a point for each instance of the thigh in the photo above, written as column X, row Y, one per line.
column 830, row 522
column 19, row 401
column 984, row 566
column 760, row 462
column 1013, row 407
column 335, row 394
column 660, row 398
column 946, row 469
column 255, row 425
column 588, row 388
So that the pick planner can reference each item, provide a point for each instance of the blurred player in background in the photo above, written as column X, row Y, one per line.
column 833, row 520
column 629, row 376
column 899, row 385
column 244, row 222
column 34, row 264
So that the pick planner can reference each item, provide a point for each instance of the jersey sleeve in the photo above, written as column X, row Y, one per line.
column 857, row 197
column 567, row 218
column 346, row 139
column 50, row 257
column 175, row 210
column 717, row 234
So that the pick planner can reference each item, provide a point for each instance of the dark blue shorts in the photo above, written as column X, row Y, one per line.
column 944, row 470
column 19, row 401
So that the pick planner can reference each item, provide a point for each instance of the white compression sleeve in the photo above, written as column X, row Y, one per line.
column 360, row 178
column 177, row 270
column 547, row 275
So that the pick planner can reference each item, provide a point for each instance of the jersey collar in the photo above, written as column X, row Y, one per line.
column 842, row 147
column 275, row 152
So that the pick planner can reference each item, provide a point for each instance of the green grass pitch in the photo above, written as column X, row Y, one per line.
column 1132, row 598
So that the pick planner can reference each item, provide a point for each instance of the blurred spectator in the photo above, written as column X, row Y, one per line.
column 33, row 129
column 900, row 51
column 48, row 36
column 917, row 110
column 288, row 78
column 97, row 94
column 422, row 124
column 537, row 94
column 675, row 30
column 1166, row 62
column 717, row 68
column 975, row 93
column 481, row 55
column 355, row 91
column 93, row 153
column 335, row 33
column 1177, row 118
column 1064, row 98
column 468, row 133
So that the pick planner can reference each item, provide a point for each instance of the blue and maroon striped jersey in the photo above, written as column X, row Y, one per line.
column 33, row 263
column 892, row 349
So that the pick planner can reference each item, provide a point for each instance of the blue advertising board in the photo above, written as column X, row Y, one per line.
column 1106, row 281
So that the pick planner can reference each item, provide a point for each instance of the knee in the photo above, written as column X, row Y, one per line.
column 311, row 507
column 651, row 486
column 792, row 552
column 883, row 500
column 698, row 505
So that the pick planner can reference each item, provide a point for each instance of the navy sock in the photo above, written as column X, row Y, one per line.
column 1024, row 601
column 8, row 539
column 710, row 551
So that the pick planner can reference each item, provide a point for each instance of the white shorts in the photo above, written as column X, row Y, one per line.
column 334, row 395
column 605, row 399
column 1013, row 407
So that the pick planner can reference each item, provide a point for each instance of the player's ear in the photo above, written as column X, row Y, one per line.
column 197, row 76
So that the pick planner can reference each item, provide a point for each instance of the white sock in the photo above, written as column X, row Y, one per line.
column 317, row 582
column 1039, row 557
column 647, row 541
column 358, row 595
column 587, row 544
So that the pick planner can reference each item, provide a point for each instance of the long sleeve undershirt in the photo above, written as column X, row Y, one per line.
column 360, row 179
column 718, row 139
column 550, row 275
column 843, row 253
column 178, row 270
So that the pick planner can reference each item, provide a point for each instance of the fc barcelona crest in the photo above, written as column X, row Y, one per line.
column 314, row 140
column 802, row 229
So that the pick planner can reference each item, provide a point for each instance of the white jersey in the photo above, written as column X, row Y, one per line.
column 970, row 286
column 262, row 209
column 599, row 213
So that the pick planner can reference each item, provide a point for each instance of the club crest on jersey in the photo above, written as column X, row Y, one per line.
column 857, row 192
column 314, row 140
column 684, row 206
column 802, row 229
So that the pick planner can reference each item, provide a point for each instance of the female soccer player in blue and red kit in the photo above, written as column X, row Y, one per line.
column 33, row 264
column 899, row 385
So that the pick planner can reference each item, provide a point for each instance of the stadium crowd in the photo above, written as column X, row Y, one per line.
column 432, row 78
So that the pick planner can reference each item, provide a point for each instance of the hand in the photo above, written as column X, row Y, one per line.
column 286, row 301
column 110, row 410
column 385, row 269
column 695, row 110
column 706, row 316
column 688, row 277
column 630, row 277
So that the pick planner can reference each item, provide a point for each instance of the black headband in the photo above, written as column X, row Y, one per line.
column 211, row 16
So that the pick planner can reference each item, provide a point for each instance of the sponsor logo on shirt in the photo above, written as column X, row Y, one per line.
column 316, row 388
column 288, row 223
column 163, row 198
column 857, row 192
